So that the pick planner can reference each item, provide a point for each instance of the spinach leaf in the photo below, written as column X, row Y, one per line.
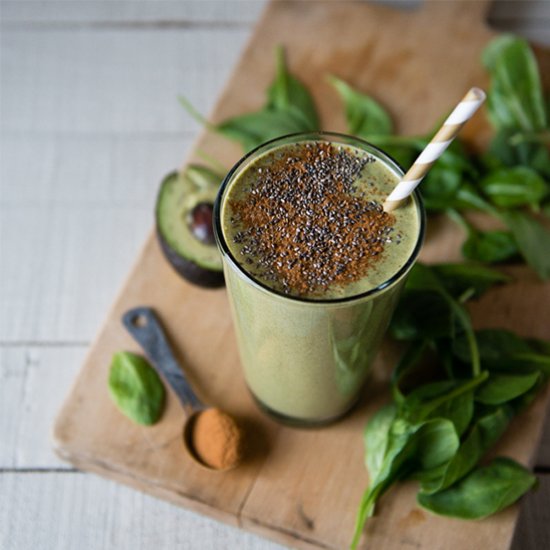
column 253, row 129
column 532, row 238
column 489, row 246
column 136, row 388
column 474, row 279
column 515, row 99
column 287, row 93
column 469, row 198
column 409, row 448
column 432, row 400
column 511, row 187
column 502, row 350
column 436, row 442
column 422, row 315
column 483, row 492
column 365, row 116
column 459, row 410
column 421, row 277
column 494, row 346
column 526, row 362
column 440, row 188
column 506, row 150
column 289, row 109
column 484, row 433
column 376, row 438
column 500, row 388
column 407, row 362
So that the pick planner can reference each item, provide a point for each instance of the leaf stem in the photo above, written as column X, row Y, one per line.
column 195, row 114
column 460, row 220
column 463, row 388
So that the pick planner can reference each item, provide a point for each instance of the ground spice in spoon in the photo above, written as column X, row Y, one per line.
column 217, row 440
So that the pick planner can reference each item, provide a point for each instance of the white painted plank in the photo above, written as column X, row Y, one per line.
column 74, row 213
column 64, row 511
column 87, row 169
column 33, row 383
column 108, row 81
column 115, row 11
column 63, row 266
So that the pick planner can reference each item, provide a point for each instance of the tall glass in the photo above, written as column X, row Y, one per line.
column 306, row 360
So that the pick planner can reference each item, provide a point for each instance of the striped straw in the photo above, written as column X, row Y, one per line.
column 460, row 115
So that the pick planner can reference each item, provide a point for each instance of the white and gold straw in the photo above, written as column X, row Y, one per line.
column 442, row 139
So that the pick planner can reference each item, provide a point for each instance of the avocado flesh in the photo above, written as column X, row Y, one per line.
column 198, row 262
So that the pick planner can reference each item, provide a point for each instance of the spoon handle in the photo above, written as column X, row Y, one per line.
column 143, row 324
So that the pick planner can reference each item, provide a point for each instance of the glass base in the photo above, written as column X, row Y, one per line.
column 295, row 422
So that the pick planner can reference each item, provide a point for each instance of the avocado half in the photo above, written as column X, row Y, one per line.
column 180, row 194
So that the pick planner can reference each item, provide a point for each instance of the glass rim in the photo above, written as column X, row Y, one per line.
column 315, row 136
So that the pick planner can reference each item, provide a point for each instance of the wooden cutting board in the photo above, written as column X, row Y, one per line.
column 302, row 487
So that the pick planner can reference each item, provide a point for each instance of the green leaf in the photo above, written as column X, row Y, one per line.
column 408, row 448
column 365, row 116
column 253, row 129
column 501, row 388
column 423, row 278
column 422, row 315
column 414, row 353
column 440, row 187
column 511, row 187
column 526, row 362
column 459, row 410
column 432, row 400
column 532, row 239
column 436, row 442
column 489, row 246
column 484, row 433
column 289, row 109
column 502, row 350
column 494, row 346
column 287, row 93
column 376, row 438
column 506, row 150
column 483, row 492
column 469, row 198
column 515, row 98
column 136, row 388
column 459, row 279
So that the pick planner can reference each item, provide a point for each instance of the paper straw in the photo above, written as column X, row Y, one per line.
column 461, row 114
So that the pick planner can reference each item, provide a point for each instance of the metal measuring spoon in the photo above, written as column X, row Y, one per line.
column 143, row 324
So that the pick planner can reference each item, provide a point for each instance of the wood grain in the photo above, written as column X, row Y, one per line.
column 296, row 488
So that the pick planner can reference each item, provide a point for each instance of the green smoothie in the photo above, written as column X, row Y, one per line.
column 313, row 267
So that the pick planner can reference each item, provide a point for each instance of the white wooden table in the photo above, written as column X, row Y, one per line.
column 90, row 124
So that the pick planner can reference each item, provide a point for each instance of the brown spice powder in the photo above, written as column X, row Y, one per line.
column 304, row 225
column 217, row 439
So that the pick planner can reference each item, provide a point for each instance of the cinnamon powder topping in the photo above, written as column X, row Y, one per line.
column 303, row 224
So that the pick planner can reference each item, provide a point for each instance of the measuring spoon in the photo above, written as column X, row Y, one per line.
column 143, row 324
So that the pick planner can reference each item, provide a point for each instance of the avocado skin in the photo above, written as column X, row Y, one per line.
column 188, row 269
